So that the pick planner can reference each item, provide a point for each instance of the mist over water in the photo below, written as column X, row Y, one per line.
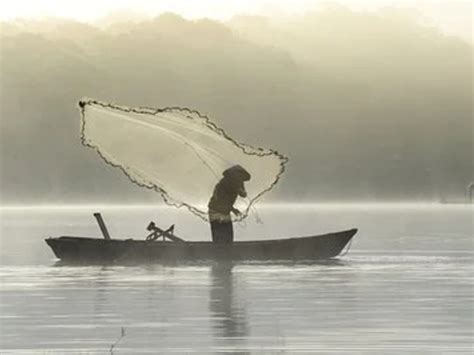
column 367, row 105
column 404, row 286
column 371, row 106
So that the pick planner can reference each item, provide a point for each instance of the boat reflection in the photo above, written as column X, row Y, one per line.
column 227, row 313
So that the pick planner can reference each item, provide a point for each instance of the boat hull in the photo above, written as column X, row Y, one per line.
column 93, row 250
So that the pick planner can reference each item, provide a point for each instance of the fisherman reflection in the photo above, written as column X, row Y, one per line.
column 228, row 316
column 222, row 202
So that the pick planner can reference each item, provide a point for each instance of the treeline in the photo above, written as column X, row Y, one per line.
column 368, row 106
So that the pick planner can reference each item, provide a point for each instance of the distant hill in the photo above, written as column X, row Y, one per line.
column 368, row 106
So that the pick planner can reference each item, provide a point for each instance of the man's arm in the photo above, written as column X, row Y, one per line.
column 236, row 211
column 241, row 191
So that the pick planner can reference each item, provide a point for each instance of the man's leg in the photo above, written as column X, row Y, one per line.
column 222, row 232
column 215, row 231
column 228, row 232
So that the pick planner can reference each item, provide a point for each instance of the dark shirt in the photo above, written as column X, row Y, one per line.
column 224, row 195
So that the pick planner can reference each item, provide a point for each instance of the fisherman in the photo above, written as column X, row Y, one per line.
column 222, row 202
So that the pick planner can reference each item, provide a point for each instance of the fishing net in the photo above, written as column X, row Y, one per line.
column 177, row 152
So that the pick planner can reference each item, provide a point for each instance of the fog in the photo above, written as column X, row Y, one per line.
column 369, row 106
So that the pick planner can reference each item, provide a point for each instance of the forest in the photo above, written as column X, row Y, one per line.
column 368, row 106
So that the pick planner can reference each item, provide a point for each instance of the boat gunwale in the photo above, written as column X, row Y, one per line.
column 351, row 231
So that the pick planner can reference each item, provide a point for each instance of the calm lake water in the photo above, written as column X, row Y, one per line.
column 405, row 286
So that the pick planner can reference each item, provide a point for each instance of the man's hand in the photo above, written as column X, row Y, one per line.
column 236, row 212
column 241, row 191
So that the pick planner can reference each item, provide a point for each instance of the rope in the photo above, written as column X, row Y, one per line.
column 242, row 223
column 256, row 214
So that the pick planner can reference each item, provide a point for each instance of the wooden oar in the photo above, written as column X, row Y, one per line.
column 102, row 226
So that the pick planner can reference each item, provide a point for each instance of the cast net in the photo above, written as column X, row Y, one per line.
column 177, row 152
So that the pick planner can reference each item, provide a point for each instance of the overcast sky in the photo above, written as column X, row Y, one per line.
column 453, row 16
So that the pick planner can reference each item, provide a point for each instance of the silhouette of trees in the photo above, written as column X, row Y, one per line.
column 367, row 105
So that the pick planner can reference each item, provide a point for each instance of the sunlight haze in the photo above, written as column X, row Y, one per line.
column 452, row 16
column 371, row 102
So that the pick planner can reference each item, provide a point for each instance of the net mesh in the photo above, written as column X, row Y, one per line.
column 177, row 152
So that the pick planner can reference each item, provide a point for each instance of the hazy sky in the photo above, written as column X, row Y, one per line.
column 453, row 16
column 384, row 86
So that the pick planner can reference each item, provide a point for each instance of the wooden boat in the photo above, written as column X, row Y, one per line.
column 107, row 250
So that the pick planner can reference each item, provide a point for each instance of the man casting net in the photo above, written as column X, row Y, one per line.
column 179, row 153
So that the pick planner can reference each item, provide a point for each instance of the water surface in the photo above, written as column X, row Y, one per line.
column 405, row 286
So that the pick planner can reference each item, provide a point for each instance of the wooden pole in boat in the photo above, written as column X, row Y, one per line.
column 102, row 226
